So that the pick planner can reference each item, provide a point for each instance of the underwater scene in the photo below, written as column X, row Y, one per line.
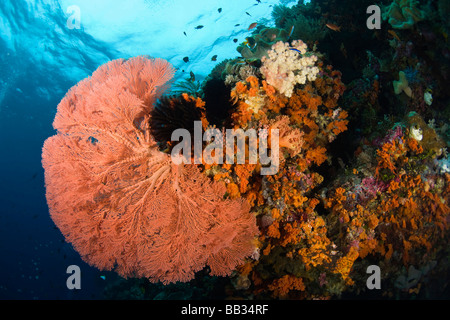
column 237, row 150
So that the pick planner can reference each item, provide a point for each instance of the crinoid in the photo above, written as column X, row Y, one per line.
column 171, row 113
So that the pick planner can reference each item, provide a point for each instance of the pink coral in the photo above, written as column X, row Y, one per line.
column 289, row 138
column 124, row 204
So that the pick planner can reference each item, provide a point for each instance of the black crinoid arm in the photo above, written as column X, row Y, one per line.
column 171, row 113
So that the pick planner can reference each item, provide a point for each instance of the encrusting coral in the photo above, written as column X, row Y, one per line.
column 293, row 239
column 362, row 180
column 398, row 211
column 120, row 201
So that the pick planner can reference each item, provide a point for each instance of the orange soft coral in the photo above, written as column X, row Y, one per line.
column 289, row 138
column 243, row 172
column 282, row 286
column 408, row 218
column 316, row 155
column 292, row 231
column 315, row 250
column 344, row 265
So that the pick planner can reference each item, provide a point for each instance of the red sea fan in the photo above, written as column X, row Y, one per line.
column 122, row 203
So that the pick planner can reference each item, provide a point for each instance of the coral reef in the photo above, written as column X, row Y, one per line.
column 363, row 173
column 393, row 208
column 293, row 239
column 324, row 218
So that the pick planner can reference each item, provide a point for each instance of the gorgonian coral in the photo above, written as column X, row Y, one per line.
column 124, row 204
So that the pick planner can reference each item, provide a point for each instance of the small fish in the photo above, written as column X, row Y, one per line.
column 235, row 40
column 253, row 25
column 293, row 49
column 184, row 32
column 259, row 1
column 199, row 27
column 103, row 277
column 237, row 25
column 291, row 31
column 392, row 33
column 248, row 13
column 192, row 78
column 333, row 27
column 214, row 57
column 250, row 42
column 186, row 59
column 220, row 10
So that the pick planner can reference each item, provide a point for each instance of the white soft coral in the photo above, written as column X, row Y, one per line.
column 288, row 65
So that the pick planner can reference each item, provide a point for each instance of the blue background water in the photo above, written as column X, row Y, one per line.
column 40, row 59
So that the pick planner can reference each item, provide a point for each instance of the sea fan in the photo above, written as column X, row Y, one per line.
column 124, row 204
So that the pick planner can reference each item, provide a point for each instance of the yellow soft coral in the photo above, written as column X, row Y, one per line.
column 282, row 286
column 344, row 265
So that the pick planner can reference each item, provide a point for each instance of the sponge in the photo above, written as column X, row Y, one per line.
column 402, row 85
column 403, row 14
